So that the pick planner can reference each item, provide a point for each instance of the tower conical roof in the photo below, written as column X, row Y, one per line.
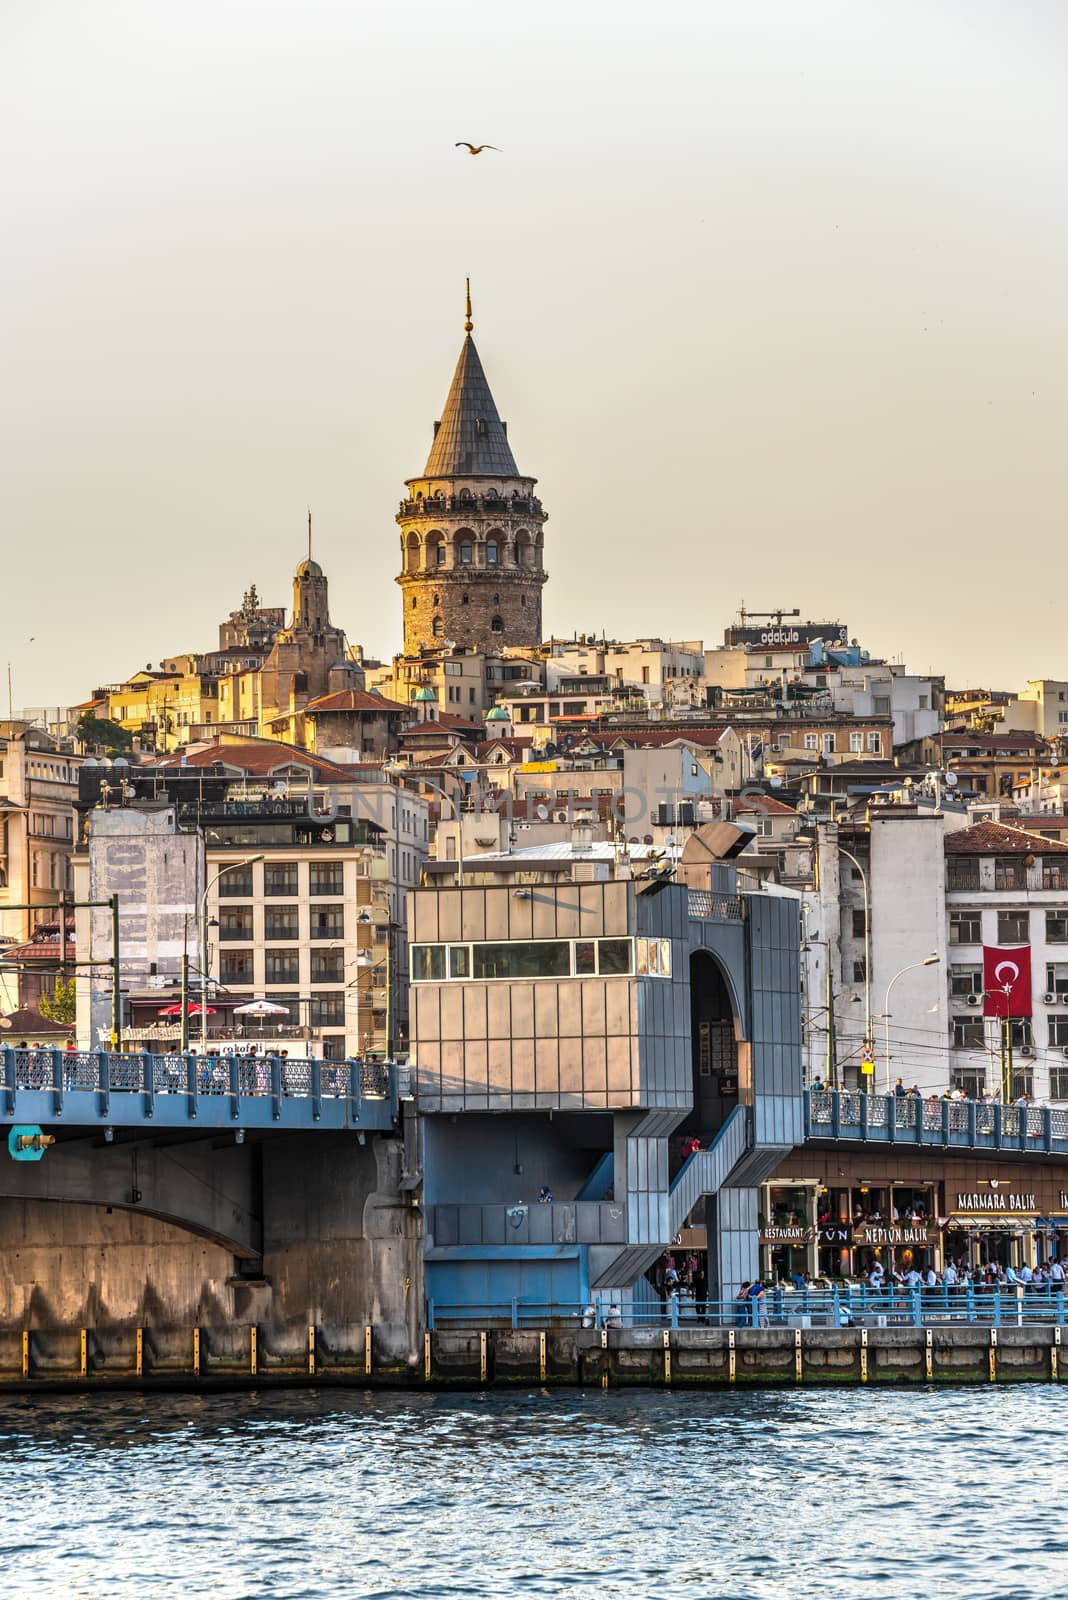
column 470, row 438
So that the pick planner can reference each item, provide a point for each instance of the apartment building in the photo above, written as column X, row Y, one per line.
column 38, row 786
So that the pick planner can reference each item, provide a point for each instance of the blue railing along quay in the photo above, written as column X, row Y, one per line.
column 852, row 1306
column 846, row 1114
column 79, row 1088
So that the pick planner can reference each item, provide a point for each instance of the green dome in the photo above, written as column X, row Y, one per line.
column 498, row 714
column 424, row 694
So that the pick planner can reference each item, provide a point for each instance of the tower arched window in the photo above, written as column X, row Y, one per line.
column 437, row 599
column 465, row 552
column 414, row 553
column 497, row 625
column 437, row 627
column 493, row 553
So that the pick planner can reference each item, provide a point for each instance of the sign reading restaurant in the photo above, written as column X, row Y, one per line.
column 996, row 1202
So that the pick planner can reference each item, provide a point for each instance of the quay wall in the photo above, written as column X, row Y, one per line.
column 243, row 1355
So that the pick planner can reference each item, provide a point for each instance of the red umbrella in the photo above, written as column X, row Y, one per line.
column 193, row 1010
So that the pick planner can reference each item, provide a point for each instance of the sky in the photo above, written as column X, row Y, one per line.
column 771, row 294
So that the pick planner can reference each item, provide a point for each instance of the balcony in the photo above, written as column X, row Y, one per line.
column 477, row 505
column 569, row 1223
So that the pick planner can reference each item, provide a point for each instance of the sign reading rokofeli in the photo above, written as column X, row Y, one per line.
column 996, row 1202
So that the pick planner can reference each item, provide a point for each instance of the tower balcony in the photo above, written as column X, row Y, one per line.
column 473, row 505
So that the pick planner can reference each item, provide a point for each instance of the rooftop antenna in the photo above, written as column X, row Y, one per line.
column 309, row 533
column 468, row 324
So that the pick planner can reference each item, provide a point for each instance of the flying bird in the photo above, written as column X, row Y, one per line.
column 475, row 149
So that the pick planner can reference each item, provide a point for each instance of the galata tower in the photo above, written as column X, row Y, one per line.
column 471, row 529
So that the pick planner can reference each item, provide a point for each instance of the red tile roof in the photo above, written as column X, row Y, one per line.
column 257, row 757
column 357, row 700
column 765, row 803
column 996, row 839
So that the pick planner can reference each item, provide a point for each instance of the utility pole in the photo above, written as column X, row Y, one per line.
column 116, row 996
column 183, row 1043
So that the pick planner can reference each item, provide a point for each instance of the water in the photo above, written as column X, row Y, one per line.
column 861, row 1495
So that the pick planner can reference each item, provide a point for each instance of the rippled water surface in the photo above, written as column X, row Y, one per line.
column 788, row 1495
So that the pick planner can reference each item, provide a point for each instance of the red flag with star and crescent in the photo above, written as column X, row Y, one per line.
column 1007, row 980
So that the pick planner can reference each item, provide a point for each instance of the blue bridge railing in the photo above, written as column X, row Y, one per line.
column 961, row 1124
column 848, row 1306
column 45, row 1086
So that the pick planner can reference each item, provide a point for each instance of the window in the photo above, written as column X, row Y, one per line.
column 1058, row 1082
column 235, row 966
column 327, row 1010
column 585, row 957
column 860, row 971
column 465, row 552
column 1054, row 875
column 327, row 922
column 460, row 961
column 962, row 872
column 437, row 627
column 496, row 625
column 614, row 956
column 972, row 1080
column 828, row 744
column 493, row 554
column 280, row 922
column 281, row 966
column 811, row 741
column 548, row 958
column 1022, row 1037
column 428, row 963
column 856, row 743
column 1058, row 1029
column 327, row 877
column 875, row 744
column 965, row 981
column 1010, row 873
column 1013, row 927
column 1023, row 1082
column 965, row 927
column 654, row 958
column 236, row 883
column 236, row 923
column 291, row 1003
column 328, row 966
column 1057, row 978
column 1056, row 927
column 280, row 878
column 967, row 1033
column 860, row 923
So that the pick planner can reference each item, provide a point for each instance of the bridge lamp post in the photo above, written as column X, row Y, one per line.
column 928, row 961
column 202, row 922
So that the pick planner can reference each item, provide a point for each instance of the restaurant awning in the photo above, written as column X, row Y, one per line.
column 995, row 1224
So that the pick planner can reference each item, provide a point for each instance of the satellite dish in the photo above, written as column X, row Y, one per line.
column 281, row 787
column 951, row 780
column 542, row 813
column 775, row 783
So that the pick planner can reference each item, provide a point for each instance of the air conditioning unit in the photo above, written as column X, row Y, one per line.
column 974, row 999
column 1027, row 1050
column 1049, row 999
column 1064, row 1050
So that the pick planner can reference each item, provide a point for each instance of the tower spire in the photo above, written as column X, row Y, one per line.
column 468, row 324
column 309, row 533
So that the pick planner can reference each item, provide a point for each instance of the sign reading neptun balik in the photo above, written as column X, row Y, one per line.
column 996, row 1201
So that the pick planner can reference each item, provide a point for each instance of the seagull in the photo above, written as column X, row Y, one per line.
column 475, row 149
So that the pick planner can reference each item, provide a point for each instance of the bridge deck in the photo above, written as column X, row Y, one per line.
column 95, row 1088
column 849, row 1116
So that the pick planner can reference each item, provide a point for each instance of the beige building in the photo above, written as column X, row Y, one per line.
column 38, row 786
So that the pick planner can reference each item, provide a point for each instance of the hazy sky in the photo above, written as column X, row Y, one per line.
column 774, row 297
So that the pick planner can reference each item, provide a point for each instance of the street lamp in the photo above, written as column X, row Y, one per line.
column 928, row 961
column 203, row 926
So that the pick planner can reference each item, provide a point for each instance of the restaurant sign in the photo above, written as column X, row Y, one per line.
column 996, row 1201
column 877, row 1234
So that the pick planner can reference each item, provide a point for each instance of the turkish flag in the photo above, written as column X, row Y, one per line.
column 1007, row 980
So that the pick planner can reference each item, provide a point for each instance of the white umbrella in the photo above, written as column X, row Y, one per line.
column 261, row 1008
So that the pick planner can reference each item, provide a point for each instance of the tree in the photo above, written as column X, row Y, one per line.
column 100, row 730
column 61, row 1005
